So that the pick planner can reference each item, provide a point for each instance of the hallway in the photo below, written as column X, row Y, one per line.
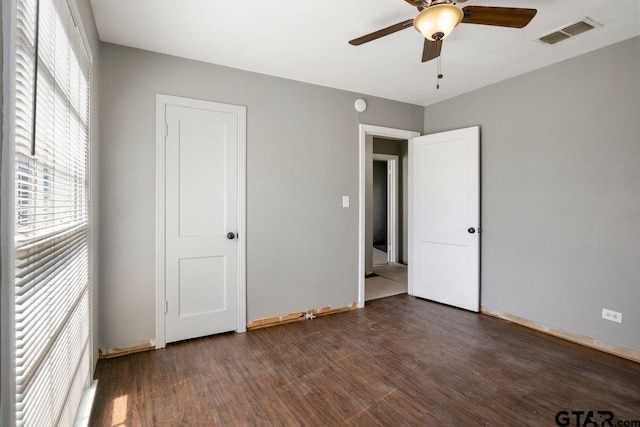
column 388, row 279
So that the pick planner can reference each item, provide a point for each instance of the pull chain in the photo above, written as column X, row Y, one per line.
column 439, row 72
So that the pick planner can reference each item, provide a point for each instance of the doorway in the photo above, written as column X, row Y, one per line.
column 386, row 203
column 393, row 258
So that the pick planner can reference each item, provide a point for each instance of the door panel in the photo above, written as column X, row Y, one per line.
column 444, row 179
column 202, row 161
column 201, row 208
column 201, row 285
column 445, row 204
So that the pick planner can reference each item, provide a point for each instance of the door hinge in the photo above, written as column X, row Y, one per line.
column 166, row 306
column 166, row 129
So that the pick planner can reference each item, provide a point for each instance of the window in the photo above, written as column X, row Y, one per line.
column 51, row 295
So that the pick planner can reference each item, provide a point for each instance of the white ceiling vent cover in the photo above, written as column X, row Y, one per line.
column 571, row 30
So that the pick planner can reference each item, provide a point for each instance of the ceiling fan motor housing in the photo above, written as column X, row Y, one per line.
column 438, row 20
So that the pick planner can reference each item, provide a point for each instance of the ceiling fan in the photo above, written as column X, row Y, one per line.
column 437, row 18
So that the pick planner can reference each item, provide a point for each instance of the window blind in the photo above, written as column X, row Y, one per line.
column 52, row 323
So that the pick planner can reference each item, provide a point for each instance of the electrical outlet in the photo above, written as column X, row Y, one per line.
column 614, row 316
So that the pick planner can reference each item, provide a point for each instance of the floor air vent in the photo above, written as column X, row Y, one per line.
column 569, row 31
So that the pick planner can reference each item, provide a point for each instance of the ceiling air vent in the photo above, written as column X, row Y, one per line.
column 578, row 28
column 569, row 31
column 555, row 37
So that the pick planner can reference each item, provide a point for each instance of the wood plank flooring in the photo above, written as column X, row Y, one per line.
column 399, row 361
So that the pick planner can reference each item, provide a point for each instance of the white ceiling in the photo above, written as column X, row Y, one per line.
column 307, row 40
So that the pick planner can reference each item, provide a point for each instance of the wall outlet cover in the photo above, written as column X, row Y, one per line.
column 614, row 316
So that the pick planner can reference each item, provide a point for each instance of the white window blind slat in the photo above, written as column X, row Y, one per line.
column 60, row 376
column 69, row 259
column 47, row 293
column 51, row 322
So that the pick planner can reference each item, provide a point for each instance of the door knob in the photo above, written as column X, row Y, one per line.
column 471, row 230
column 231, row 235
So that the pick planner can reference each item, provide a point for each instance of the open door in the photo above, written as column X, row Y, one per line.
column 445, row 198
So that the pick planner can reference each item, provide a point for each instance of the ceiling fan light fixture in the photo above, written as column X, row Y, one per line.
column 438, row 21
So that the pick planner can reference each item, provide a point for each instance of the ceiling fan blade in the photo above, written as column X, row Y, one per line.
column 412, row 3
column 498, row 16
column 381, row 33
column 431, row 50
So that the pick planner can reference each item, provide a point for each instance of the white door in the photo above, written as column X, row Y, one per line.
column 201, row 219
column 445, row 197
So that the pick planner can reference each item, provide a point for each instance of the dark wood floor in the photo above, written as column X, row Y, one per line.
column 400, row 361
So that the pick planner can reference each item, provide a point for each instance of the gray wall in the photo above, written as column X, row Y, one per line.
column 302, row 157
column 560, row 151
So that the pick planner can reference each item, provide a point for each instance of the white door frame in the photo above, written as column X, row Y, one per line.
column 392, row 204
column 161, row 105
column 382, row 132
